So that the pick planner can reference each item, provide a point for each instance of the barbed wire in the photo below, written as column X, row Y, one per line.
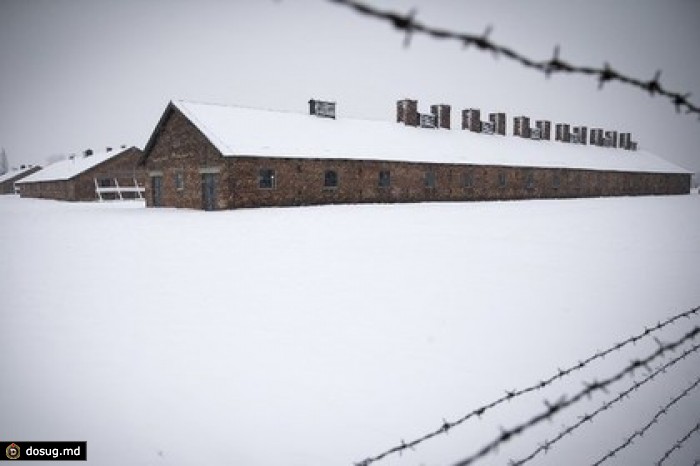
column 563, row 403
column 510, row 395
column 547, row 445
column 678, row 444
column 408, row 24
column 663, row 411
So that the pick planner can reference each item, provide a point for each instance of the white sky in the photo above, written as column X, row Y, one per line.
column 92, row 73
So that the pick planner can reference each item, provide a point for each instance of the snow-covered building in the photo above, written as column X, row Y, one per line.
column 110, row 174
column 8, row 180
column 209, row 156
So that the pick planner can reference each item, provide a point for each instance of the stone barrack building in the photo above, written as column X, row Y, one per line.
column 80, row 177
column 8, row 180
column 211, row 157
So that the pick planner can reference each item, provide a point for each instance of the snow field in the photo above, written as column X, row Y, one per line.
column 325, row 335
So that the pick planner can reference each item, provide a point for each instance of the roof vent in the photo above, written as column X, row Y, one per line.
column 427, row 120
column 108, row 149
column 499, row 123
column 488, row 127
column 471, row 119
column 321, row 108
column 545, row 127
column 442, row 115
column 87, row 153
column 521, row 126
column 407, row 112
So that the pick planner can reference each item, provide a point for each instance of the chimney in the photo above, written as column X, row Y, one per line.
column 407, row 112
column 427, row 120
column 499, row 123
column 442, row 115
column 521, row 126
column 563, row 132
column 625, row 140
column 545, row 128
column 87, row 152
column 581, row 133
column 596, row 138
column 322, row 109
column 611, row 138
column 471, row 119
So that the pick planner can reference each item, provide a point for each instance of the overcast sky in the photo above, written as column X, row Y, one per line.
column 80, row 74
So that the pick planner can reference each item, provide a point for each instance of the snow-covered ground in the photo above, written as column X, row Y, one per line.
column 325, row 335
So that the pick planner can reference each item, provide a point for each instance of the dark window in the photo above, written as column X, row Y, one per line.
column 384, row 179
column 556, row 181
column 330, row 179
column 502, row 179
column 468, row 180
column 267, row 179
column 179, row 181
column 105, row 182
column 429, row 179
column 529, row 180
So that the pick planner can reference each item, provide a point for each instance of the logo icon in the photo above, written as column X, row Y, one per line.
column 12, row 451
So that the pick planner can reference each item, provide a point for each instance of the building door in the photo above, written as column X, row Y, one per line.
column 208, row 191
column 157, row 184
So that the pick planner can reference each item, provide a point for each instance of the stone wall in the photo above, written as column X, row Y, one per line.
column 179, row 149
column 301, row 182
column 82, row 186
column 8, row 186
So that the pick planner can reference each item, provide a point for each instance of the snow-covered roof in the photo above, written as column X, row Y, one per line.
column 68, row 168
column 253, row 132
column 16, row 172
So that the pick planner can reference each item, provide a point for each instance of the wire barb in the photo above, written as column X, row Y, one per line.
column 640, row 433
column 409, row 26
column 543, row 448
column 561, row 373
column 567, row 402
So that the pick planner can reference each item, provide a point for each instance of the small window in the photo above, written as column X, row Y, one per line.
column 105, row 182
column 501, row 179
column 330, row 179
column 556, row 181
column 179, row 181
column 468, row 180
column 267, row 179
column 429, row 179
column 529, row 181
column 384, row 179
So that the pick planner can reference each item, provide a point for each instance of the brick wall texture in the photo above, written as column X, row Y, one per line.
column 81, row 187
column 8, row 186
column 180, row 158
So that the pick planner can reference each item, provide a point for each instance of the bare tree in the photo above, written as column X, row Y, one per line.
column 3, row 161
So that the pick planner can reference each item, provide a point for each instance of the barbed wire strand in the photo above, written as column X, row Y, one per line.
column 547, row 445
column 678, row 444
column 510, row 395
column 660, row 413
column 408, row 24
column 564, row 402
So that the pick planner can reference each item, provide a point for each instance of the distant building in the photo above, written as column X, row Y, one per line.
column 212, row 157
column 8, row 180
column 89, row 176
